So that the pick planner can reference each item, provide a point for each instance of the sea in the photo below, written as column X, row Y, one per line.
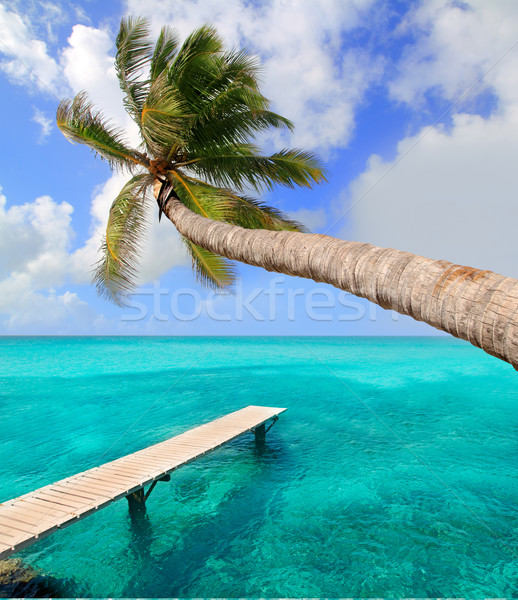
column 393, row 472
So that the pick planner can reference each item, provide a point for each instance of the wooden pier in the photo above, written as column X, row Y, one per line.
column 31, row 517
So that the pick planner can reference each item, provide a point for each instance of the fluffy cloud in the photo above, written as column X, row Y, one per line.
column 309, row 75
column 453, row 196
column 449, row 193
column 88, row 64
column 44, row 123
column 46, row 17
column 36, row 253
column 456, row 45
column 312, row 219
column 28, row 60
column 35, row 241
column 36, row 258
column 46, row 312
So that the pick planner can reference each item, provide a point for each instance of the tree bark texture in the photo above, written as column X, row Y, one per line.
column 474, row 305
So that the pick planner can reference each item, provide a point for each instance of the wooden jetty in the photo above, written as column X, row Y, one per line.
column 33, row 516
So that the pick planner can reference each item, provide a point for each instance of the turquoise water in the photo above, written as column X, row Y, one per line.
column 393, row 473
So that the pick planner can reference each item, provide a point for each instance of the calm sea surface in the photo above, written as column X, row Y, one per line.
column 394, row 471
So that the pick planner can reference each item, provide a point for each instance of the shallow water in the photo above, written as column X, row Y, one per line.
column 393, row 473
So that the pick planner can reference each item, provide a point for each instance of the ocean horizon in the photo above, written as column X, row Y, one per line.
column 392, row 473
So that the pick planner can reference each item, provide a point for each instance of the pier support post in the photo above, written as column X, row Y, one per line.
column 260, row 433
column 137, row 502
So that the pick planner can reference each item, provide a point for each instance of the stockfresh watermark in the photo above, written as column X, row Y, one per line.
column 278, row 301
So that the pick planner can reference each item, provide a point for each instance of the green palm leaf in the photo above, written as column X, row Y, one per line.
column 79, row 122
column 222, row 72
column 230, row 126
column 164, row 118
column 165, row 50
column 211, row 270
column 238, row 69
column 253, row 214
column 224, row 205
column 134, row 54
column 116, row 272
column 196, row 63
column 241, row 168
column 205, row 200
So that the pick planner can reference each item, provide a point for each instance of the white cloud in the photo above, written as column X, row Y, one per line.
column 453, row 196
column 44, row 17
column 307, row 74
column 45, row 312
column 163, row 250
column 27, row 60
column 35, row 240
column 44, row 123
column 36, row 258
column 312, row 219
column 456, row 45
column 88, row 64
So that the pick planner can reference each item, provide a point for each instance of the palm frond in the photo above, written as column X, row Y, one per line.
column 254, row 214
column 241, row 66
column 227, row 102
column 230, row 125
column 134, row 54
column 165, row 118
column 81, row 123
column 116, row 272
column 246, row 212
column 241, row 168
column 200, row 198
column 211, row 270
column 165, row 50
column 234, row 70
column 232, row 98
column 196, row 62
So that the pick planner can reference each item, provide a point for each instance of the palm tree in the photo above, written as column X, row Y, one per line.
column 197, row 108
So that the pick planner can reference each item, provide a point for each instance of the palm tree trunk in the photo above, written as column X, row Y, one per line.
column 478, row 306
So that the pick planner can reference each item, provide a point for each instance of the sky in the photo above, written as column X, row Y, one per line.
column 413, row 106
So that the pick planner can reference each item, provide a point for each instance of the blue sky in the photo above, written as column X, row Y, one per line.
column 412, row 105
